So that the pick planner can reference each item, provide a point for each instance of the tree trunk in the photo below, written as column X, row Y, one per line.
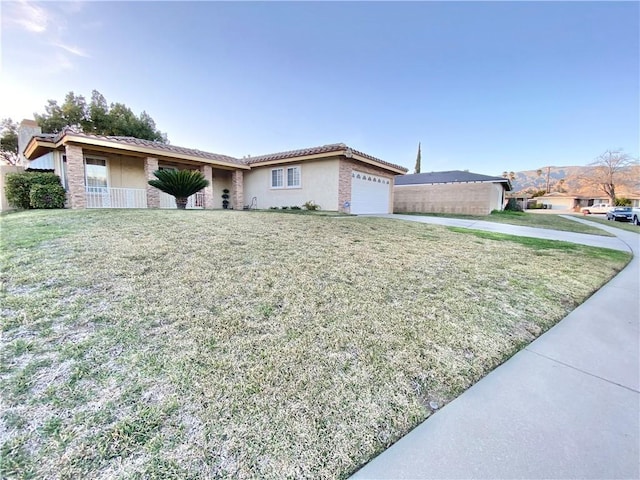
column 181, row 202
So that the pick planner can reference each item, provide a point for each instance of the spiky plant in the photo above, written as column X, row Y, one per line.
column 179, row 183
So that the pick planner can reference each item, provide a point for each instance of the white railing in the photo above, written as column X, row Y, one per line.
column 194, row 201
column 103, row 197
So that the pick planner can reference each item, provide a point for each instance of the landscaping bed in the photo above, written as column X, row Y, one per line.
column 200, row 344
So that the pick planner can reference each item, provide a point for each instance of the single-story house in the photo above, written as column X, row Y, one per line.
column 558, row 201
column 449, row 192
column 573, row 203
column 112, row 172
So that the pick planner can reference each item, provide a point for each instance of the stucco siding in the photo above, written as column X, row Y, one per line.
column 126, row 172
column 463, row 198
column 497, row 197
column 4, row 170
column 560, row 203
column 221, row 180
column 319, row 183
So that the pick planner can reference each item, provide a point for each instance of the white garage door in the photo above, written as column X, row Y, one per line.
column 369, row 193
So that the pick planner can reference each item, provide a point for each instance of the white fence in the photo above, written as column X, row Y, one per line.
column 102, row 197
column 194, row 201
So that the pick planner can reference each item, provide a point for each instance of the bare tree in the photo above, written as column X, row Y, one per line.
column 611, row 170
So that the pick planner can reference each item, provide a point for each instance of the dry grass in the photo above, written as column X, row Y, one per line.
column 166, row 344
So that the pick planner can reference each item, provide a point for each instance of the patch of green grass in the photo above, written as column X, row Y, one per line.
column 228, row 344
column 544, row 244
column 15, row 460
column 525, row 219
column 628, row 226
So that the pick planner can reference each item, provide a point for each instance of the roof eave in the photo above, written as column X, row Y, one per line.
column 332, row 153
column 38, row 147
column 394, row 168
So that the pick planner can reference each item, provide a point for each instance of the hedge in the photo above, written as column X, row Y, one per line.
column 47, row 196
column 18, row 187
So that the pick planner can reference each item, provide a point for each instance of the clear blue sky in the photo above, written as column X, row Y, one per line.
column 484, row 86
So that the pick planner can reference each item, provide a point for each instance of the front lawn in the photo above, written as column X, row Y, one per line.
column 200, row 344
column 628, row 226
column 525, row 219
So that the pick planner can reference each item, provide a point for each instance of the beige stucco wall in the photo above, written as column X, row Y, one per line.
column 558, row 203
column 319, row 184
column 221, row 180
column 4, row 169
column 126, row 172
column 463, row 198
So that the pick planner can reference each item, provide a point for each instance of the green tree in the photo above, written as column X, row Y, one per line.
column 98, row 118
column 9, row 141
column 179, row 183
column 418, row 159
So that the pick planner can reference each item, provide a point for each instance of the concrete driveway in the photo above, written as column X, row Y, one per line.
column 567, row 406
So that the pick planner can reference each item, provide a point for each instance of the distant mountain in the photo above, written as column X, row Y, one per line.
column 564, row 179
column 560, row 178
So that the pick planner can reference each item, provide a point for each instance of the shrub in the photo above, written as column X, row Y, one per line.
column 285, row 208
column 295, row 207
column 18, row 186
column 47, row 196
column 623, row 202
column 225, row 198
column 274, row 208
column 513, row 206
column 310, row 205
column 181, row 184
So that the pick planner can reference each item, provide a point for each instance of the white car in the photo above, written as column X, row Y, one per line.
column 597, row 208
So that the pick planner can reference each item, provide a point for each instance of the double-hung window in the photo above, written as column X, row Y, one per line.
column 286, row 177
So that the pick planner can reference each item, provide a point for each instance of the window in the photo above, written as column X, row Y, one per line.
column 96, row 173
column 276, row 178
column 63, row 172
column 291, row 180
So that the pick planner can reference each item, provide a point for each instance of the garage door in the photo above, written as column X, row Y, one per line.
column 369, row 193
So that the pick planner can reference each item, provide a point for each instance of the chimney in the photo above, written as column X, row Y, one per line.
column 26, row 130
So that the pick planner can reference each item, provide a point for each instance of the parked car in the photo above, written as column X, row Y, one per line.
column 635, row 216
column 597, row 208
column 620, row 214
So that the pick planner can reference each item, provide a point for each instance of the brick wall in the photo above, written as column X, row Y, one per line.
column 237, row 189
column 463, row 198
column 344, row 181
column 208, row 191
column 76, row 195
column 153, row 194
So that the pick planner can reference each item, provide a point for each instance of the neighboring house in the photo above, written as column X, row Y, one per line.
column 558, row 201
column 569, row 202
column 112, row 172
column 449, row 192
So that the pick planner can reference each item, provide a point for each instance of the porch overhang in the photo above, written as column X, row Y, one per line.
column 39, row 146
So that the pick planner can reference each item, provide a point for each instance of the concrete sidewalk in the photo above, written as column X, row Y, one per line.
column 567, row 406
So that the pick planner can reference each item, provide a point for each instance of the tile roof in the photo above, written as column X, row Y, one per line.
column 453, row 176
column 340, row 148
column 165, row 147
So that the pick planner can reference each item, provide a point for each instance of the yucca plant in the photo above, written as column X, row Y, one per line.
column 179, row 183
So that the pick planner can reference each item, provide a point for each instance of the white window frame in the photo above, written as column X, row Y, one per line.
column 285, row 177
column 106, row 166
